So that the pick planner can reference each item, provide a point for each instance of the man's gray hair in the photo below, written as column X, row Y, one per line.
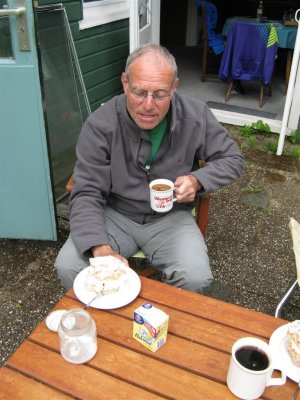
column 148, row 48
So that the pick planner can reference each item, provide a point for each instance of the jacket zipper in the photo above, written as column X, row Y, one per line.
column 148, row 167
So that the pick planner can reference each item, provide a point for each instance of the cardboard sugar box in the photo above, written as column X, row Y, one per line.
column 150, row 326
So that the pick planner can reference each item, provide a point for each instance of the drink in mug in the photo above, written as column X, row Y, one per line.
column 252, row 358
column 161, row 195
column 161, row 187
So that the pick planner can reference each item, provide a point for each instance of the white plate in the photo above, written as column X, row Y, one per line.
column 279, row 351
column 127, row 293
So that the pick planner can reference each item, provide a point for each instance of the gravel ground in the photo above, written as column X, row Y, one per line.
column 248, row 240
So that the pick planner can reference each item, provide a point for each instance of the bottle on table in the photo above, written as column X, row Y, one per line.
column 259, row 11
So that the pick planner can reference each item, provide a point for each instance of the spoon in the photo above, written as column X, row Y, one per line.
column 99, row 294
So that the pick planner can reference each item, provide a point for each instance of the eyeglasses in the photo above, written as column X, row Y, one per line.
column 140, row 94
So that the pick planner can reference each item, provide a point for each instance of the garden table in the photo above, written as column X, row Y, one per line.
column 192, row 364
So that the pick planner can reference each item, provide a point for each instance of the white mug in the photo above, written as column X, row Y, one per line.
column 250, row 369
column 161, row 195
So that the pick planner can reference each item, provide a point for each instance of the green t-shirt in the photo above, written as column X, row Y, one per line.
column 156, row 136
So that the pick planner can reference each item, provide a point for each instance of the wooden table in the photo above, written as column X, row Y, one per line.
column 191, row 365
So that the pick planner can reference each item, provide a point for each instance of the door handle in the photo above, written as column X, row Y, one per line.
column 21, row 22
column 7, row 12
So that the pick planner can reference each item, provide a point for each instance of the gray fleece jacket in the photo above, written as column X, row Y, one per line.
column 111, row 164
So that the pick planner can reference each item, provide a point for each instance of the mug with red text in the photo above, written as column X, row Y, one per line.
column 161, row 195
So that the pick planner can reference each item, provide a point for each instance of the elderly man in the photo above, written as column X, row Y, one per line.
column 149, row 132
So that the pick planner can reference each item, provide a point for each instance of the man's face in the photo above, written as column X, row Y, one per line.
column 153, row 75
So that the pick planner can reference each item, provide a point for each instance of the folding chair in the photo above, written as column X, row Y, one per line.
column 212, row 43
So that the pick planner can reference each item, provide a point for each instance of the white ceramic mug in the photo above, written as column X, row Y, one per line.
column 246, row 383
column 161, row 200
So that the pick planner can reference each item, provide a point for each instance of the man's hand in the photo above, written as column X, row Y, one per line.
column 106, row 250
column 186, row 188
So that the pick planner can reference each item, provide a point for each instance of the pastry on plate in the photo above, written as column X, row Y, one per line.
column 293, row 341
column 106, row 275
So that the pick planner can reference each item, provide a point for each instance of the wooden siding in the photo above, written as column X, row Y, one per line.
column 102, row 53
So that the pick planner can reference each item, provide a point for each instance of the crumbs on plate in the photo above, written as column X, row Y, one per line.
column 293, row 341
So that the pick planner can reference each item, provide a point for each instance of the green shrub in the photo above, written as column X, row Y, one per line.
column 258, row 127
column 295, row 152
column 251, row 140
column 247, row 130
column 262, row 127
column 256, row 134
column 294, row 138
column 270, row 146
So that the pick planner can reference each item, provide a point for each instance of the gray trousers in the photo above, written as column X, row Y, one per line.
column 173, row 244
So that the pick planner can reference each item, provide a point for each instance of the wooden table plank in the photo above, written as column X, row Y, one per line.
column 143, row 370
column 15, row 386
column 183, row 325
column 79, row 381
column 188, row 355
column 236, row 316
column 246, row 320
column 178, row 352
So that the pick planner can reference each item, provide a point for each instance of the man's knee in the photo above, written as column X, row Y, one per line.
column 197, row 277
column 62, row 270
column 69, row 263
column 191, row 276
column 200, row 281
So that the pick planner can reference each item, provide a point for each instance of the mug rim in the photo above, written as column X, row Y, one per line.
column 260, row 344
column 162, row 180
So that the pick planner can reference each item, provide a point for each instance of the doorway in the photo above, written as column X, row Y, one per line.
column 174, row 34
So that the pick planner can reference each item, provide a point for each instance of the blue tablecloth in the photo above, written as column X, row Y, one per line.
column 286, row 34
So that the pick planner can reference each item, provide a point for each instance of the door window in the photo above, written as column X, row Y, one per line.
column 144, row 13
column 5, row 42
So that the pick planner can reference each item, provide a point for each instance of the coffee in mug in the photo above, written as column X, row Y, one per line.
column 161, row 195
column 251, row 367
column 161, row 187
column 252, row 358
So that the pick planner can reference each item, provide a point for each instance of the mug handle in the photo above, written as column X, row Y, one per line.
column 277, row 381
column 174, row 194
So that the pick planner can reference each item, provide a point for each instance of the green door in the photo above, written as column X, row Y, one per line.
column 27, row 207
